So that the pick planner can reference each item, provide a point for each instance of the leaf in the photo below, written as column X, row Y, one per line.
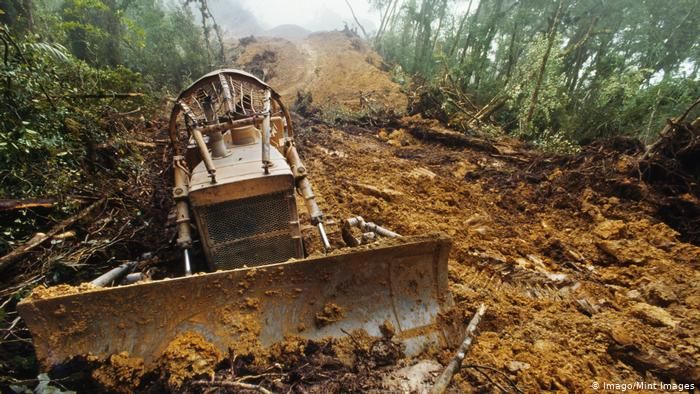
column 57, row 51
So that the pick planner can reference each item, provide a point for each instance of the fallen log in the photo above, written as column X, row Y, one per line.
column 489, row 109
column 451, row 369
column 10, row 258
column 667, row 132
column 452, row 138
column 10, row 204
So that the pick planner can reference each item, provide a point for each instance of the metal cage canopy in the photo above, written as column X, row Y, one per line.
column 235, row 93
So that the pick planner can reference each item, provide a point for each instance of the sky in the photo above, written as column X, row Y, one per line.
column 313, row 15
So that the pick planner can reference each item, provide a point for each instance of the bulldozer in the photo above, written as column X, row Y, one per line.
column 237, row 178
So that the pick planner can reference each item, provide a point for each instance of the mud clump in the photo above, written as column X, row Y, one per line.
column 42, row 292
column 292, row 350
column 187, row 356
column 331, row 313
column 120, row 373
column 245, row 323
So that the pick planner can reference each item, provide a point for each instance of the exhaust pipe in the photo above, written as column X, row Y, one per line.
column 113, row 275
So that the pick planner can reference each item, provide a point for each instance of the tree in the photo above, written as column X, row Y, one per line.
column 612, row 59
column 540, row 74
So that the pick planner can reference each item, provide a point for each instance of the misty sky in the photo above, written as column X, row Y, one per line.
column 310, row 14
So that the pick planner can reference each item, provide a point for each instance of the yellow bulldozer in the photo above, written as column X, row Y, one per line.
column 237, row 174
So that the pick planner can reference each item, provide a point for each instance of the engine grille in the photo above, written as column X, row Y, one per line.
column 252, row 231
column 254, row 251
column 236, row 219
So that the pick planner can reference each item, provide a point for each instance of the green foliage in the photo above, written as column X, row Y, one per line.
column 62, row 61
column 93, row 30
column 615, row 107
column 49, row 130
column 45, row 120
column 155, row 38
column 551, row 98
column 619, row 67
column 164, row 45
column 556, row 142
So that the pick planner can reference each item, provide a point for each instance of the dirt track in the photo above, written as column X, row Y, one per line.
column 583, row 284
column 336, row 68
column 580, row 287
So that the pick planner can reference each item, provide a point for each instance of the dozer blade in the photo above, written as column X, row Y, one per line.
column 403, row 282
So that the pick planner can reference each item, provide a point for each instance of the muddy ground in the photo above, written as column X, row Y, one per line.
column 581, row 286
column 338, row 69
column 586, row 275
column 583, row 282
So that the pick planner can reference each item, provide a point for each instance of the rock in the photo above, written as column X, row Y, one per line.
column 693, row 301
column 659, row 294
column 483, row 230
column 476, row 219
column 477, row 223
column 653, row 315
column 587, row 307
column 591, row 210
column 331, row 153
column 544, row 347
column 621, row 335
column 624, row 251
column 609, row 229
column 462, row 168
column 659, row 234
column 634, row 295
column 399, row 138
column 417, row 378
column 515, row 366
column 421, row 172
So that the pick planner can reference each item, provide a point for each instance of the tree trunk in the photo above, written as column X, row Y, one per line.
column 386, row 18
column 467, row 42
column 113, row 28
column 511, row 54
column 543, row 66
column 28, row 9
column 439, row 26
column 364, row 32
column 574, row 55
column 217, row 31
column 485, row 46
column 423, row 36
column 459, row 31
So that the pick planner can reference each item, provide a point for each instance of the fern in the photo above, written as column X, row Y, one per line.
column 54, row 50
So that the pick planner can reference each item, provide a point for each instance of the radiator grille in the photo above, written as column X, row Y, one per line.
column 247, row 217
column 254, row 251
column 251, row 231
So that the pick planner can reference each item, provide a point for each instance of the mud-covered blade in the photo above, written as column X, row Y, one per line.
column 403, row 282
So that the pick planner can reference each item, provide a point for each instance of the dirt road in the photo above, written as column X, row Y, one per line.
column 336, row 68
column 581, row 287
